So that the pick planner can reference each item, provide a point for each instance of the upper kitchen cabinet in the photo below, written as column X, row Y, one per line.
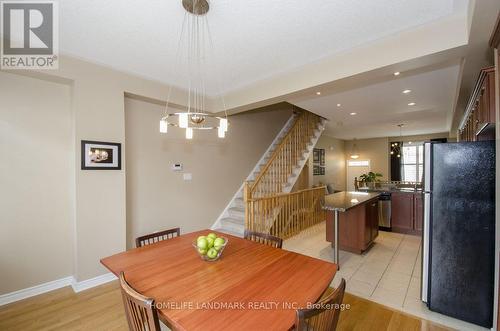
column 479, row 119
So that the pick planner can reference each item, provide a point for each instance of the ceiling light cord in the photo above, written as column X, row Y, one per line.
column 176, row 61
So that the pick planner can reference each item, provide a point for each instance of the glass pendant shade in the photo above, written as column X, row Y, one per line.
column 354, row 152
column 163, row 125
column 189, row 133
column 223, row 124
column 183, row 120
column 221, row 132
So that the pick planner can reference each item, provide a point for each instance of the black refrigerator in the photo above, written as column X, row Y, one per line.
column 459, row 230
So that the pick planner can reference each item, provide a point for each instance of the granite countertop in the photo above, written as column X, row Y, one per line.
column 343, row 201
column 390, row 189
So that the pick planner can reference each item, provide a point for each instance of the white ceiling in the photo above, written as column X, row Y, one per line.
column 381, row 106
column 254, row 40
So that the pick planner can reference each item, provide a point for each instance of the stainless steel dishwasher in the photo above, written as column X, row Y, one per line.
column 384, row 211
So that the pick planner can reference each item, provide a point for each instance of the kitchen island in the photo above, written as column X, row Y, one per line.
column 351, row 221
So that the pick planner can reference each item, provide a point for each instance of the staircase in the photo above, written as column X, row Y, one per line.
column 277, row 170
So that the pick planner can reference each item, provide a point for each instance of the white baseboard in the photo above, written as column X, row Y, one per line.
column 92, row 282
column 35, row 290
column 54, row 285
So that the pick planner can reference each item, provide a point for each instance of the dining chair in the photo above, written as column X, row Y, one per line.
column 323, row 317
column 155, row 237
column 140, row 310
column 264, row 238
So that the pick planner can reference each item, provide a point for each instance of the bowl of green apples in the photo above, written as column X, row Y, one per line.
column 210, row 247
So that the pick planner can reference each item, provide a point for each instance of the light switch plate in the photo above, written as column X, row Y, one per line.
column 187, row 176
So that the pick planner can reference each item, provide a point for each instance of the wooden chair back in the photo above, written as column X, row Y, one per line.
column 152, row 238
column 264, row 238
column 140, row 310
column 325, row 316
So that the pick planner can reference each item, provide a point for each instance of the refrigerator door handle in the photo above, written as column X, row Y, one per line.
column 427, row 167
column 426, row 246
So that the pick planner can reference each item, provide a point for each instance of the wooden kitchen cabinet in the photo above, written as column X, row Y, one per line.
column 418, row 218
column 371, row 221
column 480, row 117
column 402, row 212
column 407, row 212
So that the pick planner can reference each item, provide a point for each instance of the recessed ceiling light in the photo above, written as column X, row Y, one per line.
column 409, row 142
column 397, row 73
column 412, row 104
column 406, row 91
column 338, row 105
column 318, row 93
column 352, row 114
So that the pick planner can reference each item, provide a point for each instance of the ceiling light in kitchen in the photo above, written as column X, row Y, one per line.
column 412, row 104
column 397, row 73
column 352, row 114
column 406, row 91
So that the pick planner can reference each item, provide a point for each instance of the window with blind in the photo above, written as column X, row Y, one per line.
column 412, row 163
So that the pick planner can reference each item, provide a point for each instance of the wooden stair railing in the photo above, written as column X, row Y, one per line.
column 286, row 214
column 268, row 209
column 287, row 156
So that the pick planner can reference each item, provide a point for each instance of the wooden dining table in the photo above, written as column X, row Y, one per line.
column 251, row 287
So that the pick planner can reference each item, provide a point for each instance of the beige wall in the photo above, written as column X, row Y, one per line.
column 96, row 103
column 335, row 171
column 36, row 182
column 158, row 198
column 377, row 150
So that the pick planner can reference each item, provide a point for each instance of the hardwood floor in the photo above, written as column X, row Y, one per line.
column 101, row 308
column 368, row 315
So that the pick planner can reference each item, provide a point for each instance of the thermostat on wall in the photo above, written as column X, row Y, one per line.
column 177, row 167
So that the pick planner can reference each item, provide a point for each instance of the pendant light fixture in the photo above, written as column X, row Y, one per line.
column 396, row 147
column 354, row 150
column 195, row 38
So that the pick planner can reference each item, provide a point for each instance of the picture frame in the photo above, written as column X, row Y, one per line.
column 318, row 162
column 99, row 155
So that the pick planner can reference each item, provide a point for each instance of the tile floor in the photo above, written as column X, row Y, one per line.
column 388, row 273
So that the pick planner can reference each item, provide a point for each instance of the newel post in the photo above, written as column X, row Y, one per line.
column 247, row 196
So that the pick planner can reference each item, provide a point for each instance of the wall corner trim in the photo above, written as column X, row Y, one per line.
column 92, row 282
column 35, row 290
column 54, row 285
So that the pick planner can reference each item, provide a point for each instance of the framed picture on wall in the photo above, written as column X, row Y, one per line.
column 98, row 155
column 318, row 162
column 316, row 156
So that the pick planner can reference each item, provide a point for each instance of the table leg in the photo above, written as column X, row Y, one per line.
column 336, row 258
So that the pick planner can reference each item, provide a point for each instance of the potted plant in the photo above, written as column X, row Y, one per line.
column 370, row 179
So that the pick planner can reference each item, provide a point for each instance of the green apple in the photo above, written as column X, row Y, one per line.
column 218, row 243
column 202, row 251
column 200, row 237
column 202, row 243
column 210, row 242
column 212, row 235
column 212, row 253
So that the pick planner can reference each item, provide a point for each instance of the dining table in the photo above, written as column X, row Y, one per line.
column 252, row 286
